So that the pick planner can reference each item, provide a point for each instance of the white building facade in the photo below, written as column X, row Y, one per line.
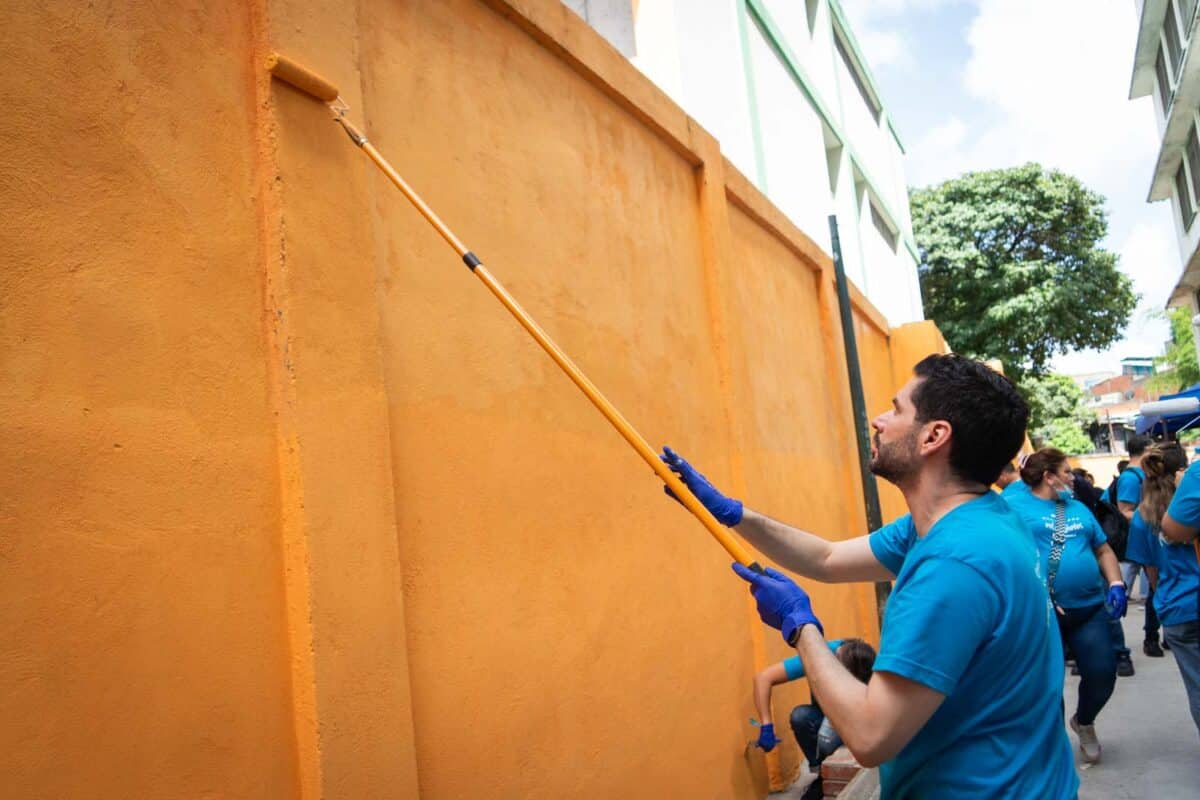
column 785, row 88
column 1167, row 65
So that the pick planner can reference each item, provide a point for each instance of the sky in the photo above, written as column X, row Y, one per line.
column 983, row 84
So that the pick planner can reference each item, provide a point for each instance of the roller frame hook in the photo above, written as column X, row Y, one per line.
column 339, row 109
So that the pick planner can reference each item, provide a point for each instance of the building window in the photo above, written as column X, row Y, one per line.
column 877, row 220
column 1193, row 160
column 859, row 83
column 1186, row 211
column 1164, row 82
column 1187, row 9
column 1171, row 34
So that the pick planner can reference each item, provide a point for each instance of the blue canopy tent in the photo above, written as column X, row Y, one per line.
column 1169, row 423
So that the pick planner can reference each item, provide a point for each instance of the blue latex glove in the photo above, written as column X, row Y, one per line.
column 782, row 604
column 766, row 738
column 727, row 510
column 1118, row 603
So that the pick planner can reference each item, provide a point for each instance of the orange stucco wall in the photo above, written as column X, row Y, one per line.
column 292, row 508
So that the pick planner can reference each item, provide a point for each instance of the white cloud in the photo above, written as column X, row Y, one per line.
column 1150, row 257
column 939, row 153
column 865, row 12
column 1055, row 76
column 1050, row 84
column 1060, row 100
column 886, row 49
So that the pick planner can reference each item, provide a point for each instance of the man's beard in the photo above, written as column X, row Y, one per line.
column 896, row 461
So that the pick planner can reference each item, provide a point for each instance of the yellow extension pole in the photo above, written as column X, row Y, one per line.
column 308, row 82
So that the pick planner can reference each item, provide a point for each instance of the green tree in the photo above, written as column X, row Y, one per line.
column 1066, row 435
column 1053, row 397
column 1179, row 368
column 1011, row 266
column 1058, row 412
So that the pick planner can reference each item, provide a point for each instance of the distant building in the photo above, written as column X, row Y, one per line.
column 785, row 88
column 1116, row 401
column 1087, row 380
column 1137, row 367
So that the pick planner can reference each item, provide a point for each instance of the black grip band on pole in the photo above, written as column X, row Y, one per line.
column 471, row 260
column 858, row 402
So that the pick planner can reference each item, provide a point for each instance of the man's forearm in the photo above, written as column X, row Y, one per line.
column 800, row 551
column 810, row 555
column 875, row 720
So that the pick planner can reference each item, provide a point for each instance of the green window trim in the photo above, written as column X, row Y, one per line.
column 760, row 156
column 766, row 25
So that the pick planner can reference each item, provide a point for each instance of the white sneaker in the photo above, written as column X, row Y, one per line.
column 1089, row 745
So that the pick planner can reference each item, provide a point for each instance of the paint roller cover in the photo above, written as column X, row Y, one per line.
column 308, row 82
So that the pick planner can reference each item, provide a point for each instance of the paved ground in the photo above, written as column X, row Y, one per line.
column 1151, row 747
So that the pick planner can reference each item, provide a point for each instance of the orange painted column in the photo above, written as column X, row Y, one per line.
column 345, row 605
column 909, row 344
column 719, row 260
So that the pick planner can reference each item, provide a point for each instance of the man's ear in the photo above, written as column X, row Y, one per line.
column 934, row 436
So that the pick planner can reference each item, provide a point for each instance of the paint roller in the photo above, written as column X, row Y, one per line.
column 313, row 85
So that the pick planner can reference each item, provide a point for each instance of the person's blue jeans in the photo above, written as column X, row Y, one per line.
column 1116, row 635
column 814, row 734
column 1185, row 646
column 1087, row 631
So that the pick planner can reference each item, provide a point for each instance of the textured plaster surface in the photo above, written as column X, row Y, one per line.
column 142, row 645
column 290, row 506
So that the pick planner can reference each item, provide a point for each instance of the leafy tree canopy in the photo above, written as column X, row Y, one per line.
column 1068, row 436
column 1011, row 266
column 1053, row 397
column 1182, row 369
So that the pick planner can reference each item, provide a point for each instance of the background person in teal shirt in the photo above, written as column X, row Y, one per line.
column 813, row 731
column 1129, row 482
column 966, row 697
column 1173, row 565
column 1051, row 513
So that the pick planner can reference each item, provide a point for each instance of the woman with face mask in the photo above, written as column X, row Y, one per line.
column 1074, row 554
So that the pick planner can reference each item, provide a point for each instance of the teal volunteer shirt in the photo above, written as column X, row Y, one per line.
column 1016, row 487
column 1177, row 597
column 1129, row 486
column 1078, row 583
column 970, row 618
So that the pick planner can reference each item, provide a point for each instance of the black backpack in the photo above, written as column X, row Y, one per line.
column 1112, row 521
column 1114, row 525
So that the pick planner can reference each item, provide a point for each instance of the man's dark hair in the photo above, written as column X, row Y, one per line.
column 1007, row 468
column 1136, row 445
column 858, row 657
column 985, row 411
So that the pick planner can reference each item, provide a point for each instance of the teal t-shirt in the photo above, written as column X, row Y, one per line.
column 1016, row 487
column 1185, row 505
column 1078, row 582
column 795, row 668
column 970, row 618
column 1129, row 486
column 1177, row 597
